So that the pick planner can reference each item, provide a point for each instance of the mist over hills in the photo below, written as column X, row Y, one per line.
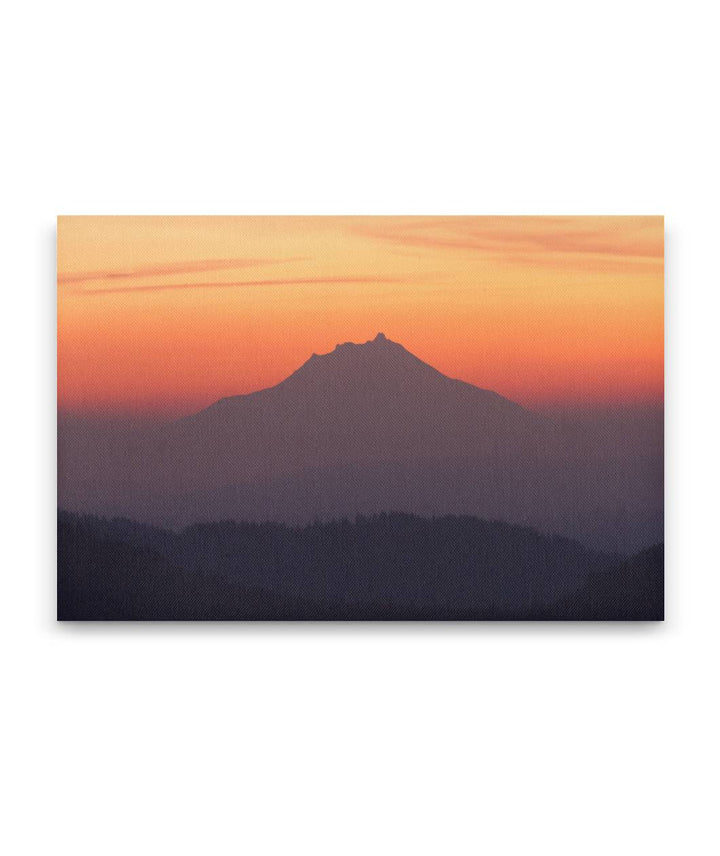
column 370, row 428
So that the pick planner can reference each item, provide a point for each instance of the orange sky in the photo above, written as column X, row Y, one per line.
column 168, row 314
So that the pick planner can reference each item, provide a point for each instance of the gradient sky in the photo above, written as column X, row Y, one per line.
column 167, row 314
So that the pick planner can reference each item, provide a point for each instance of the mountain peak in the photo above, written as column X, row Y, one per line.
column 381, row 362
column 380, row 339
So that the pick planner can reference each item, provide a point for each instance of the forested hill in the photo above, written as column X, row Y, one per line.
column 388, row 566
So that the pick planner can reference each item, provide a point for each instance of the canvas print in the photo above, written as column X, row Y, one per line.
column 360, row 418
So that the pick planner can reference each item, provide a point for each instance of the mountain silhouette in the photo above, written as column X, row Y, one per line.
column 370, row 402
column 369, row 428
column 376, row 380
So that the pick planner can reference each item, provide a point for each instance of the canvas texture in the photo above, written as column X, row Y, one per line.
column 360, row 418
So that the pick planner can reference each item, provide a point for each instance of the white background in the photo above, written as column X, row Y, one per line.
column 359, row 739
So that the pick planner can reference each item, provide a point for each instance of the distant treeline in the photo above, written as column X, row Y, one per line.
column 384, row 567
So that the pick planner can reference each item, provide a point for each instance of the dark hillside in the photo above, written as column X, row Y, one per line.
column 389, row 566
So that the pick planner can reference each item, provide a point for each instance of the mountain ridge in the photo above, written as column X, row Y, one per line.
column 387, row 566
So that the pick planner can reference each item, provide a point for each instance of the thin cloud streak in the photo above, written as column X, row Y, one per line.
column 527, row 240
column 183, row 286
column 168, row 269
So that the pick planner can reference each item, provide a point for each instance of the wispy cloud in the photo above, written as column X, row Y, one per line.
column 167, row 269
column 593, row 241
column 183, row 286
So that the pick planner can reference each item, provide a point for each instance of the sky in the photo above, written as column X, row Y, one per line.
column 164, row 315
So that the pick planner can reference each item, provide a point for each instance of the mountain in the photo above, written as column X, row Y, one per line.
column 360, row 403
column 369, row 428
column 378, row 384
